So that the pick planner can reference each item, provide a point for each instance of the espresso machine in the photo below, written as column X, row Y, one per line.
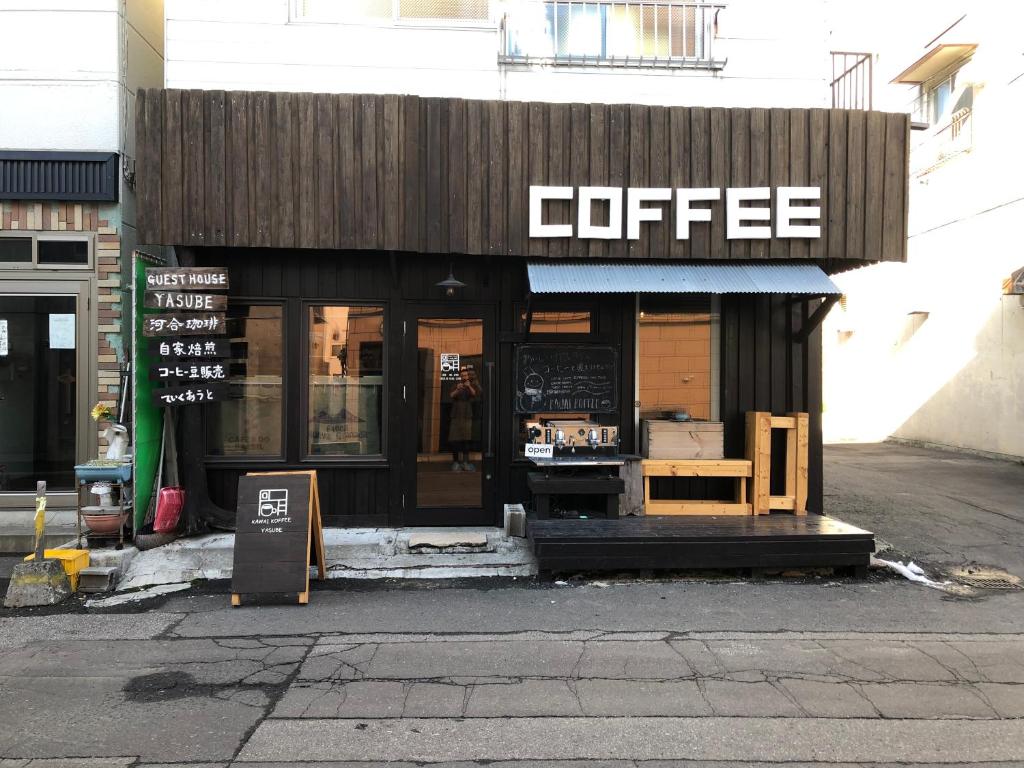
column 579, row 479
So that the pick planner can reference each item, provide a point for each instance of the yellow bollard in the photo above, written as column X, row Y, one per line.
column 40, row 517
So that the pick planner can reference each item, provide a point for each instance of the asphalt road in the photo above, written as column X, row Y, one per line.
column 808, row 671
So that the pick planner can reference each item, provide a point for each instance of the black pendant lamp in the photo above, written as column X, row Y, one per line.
column 450, row 284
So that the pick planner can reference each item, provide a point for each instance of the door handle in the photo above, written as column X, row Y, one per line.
column 490, row 411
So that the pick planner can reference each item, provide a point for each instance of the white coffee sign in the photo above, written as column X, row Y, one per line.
column 743, row 221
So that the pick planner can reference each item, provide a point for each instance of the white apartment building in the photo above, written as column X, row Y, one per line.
column 739, row 53
column 932, row 351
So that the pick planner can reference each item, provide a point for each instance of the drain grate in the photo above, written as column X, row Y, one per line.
column 983, row 578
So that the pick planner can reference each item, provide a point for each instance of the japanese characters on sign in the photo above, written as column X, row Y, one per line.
column 169, row 370
column 191, row 395
column 183, row 324
column 195, row 369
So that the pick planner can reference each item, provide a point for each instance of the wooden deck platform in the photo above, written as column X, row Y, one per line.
column 775, row 541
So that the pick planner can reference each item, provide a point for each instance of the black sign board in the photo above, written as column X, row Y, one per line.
column 566, row 378
column 184, row 324
column 185, row 371
column 194, row 394
column 185, row 300
column 190, row 349
column 186, row 279
column 278, row 534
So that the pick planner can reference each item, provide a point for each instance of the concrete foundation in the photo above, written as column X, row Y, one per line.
column 37, row 583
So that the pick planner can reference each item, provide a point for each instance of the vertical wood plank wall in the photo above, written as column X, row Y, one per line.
column 439, row 175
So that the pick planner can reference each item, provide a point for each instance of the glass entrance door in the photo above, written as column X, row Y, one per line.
column 39, row 383
column 450, row 398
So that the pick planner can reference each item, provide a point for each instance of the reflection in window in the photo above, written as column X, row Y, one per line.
column 678, row 357
column 249, row 422
column 560, row 322
column 346, row 380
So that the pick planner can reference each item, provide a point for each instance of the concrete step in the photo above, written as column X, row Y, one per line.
column 354, row 553
column 17, row 529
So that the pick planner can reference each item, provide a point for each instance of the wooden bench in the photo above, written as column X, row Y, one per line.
column 741, row 469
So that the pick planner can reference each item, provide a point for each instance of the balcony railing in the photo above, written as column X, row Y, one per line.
column 951, row 138
column 852, row 78
column 606, row 33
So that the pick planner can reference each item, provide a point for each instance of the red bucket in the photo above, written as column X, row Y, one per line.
column 168, row 509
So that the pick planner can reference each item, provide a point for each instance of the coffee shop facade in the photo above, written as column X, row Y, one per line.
column 389, row 257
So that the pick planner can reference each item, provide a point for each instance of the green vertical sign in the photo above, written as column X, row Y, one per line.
column 148, row 418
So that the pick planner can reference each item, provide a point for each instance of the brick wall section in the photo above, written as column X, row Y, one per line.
column 85, row 217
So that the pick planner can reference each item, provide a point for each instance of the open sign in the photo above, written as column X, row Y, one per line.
column 540, row 451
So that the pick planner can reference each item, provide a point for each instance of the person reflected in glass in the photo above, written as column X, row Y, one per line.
column 460, row 432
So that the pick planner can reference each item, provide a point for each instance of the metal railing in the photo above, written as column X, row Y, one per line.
column 852, row 76
column 608, row 33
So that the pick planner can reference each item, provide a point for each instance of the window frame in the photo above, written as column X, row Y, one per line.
column 557, row 304
column 395, row 20
column 246, row 459
column 374, row 459
column 36, row 236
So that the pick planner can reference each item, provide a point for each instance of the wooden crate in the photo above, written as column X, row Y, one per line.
column 666, row 439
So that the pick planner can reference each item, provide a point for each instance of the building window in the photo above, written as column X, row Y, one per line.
column 62, row 252
column 346, row 381
column 391, row 10
column 15, row 250
column 46, row 250
column 604, row 32
column 560, row 322
column 678, row 356
column 250, row 422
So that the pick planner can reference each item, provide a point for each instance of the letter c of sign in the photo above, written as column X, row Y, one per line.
column 537, row 197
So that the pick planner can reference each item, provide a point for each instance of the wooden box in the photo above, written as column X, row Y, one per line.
column 667, row 439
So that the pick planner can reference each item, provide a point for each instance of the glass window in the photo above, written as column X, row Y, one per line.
column 63, row 251
column 356, row 10
column 249, row 422
column 17, row 250
column 678, row 358
column 346, row 381
column 560, row 322
column 443, row 9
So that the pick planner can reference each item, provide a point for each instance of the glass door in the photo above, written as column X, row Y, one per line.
column 39, row 391
column 448, row 389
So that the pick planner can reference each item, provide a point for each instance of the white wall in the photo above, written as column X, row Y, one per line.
column 59, row 74
column 775, row 58
column 958, row 378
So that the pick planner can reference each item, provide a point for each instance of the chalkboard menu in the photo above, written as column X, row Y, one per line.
column 566, row 378
column 278, row 534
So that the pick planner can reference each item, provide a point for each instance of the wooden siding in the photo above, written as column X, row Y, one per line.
column 439, row 175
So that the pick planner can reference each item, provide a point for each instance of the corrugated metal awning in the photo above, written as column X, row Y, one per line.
column 599, row 277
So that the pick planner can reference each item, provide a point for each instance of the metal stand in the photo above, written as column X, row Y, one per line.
column 121, row 481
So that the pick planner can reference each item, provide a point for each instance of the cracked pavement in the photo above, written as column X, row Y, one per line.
column 637, row 672
column 633, row 674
